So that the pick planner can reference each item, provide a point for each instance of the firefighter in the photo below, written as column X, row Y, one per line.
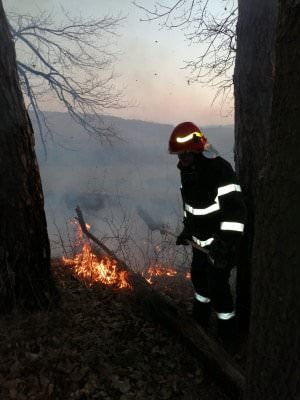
column 214, row 218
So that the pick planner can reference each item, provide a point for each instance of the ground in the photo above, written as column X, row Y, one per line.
column 98, row 345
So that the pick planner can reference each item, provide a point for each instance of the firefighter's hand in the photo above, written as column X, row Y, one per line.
column 220, row 253
column 182, row 238
column 220, row 264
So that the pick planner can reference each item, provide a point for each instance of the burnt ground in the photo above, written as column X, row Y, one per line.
column 99, row 345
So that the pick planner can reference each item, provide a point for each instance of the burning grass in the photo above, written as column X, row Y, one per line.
column 89, row 268
column 92, row 269
column 86, row 266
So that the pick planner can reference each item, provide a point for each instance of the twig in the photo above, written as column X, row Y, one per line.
column 90, row 235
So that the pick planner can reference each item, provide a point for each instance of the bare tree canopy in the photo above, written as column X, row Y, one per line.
column 71, row 61
column 214, row 32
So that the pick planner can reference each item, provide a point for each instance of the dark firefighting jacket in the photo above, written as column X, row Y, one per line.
column 212, row 201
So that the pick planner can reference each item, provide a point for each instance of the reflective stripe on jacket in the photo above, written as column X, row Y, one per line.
column 212, row 200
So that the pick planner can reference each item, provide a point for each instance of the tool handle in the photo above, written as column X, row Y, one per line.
column 195, row 245
column 198, row 247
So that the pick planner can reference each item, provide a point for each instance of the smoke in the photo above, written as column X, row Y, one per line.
column 126, row 191
column 93, row 202
column 152, row 225
column 29, row 7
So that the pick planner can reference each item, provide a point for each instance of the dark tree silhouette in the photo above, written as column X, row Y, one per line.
column 253, row 85
column 273, row 363
column 25, row 276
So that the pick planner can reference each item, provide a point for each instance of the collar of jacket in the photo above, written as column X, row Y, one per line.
column 199, row 161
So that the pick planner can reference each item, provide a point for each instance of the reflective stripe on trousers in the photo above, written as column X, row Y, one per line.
column 202, row 299
column 225, row 316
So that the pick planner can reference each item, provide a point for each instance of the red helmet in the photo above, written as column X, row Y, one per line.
column 186, row 137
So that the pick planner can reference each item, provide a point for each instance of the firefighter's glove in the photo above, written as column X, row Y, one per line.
column 183, row 237
column 220, row 253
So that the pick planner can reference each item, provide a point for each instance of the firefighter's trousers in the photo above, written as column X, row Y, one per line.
column 212, row 285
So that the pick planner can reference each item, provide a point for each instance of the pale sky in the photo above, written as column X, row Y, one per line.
column 165, row 97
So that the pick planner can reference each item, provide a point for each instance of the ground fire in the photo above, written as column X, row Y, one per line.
column 91, row 269
column 157, row 271
column 87, row 267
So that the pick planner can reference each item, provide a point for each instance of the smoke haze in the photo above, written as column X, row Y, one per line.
column 110, row 183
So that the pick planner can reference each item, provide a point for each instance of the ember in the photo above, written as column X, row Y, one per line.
column 87, row 267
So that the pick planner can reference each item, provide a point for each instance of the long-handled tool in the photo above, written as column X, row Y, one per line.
column 157, row 226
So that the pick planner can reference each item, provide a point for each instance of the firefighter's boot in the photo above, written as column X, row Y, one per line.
column 201, row 312
column 228, row 334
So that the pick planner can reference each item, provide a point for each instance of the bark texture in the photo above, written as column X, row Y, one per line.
column 274, row 353
column 253, row 85
column 25, row 278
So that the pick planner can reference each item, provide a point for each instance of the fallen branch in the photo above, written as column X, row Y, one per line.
column 227, row 374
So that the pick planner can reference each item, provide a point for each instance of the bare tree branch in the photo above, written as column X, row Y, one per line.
column 214, row 34
column 73, row 63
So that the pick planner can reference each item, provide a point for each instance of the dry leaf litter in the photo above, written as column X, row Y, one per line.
column 99, row 345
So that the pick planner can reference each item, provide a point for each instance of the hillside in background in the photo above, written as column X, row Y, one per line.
column 114, row 180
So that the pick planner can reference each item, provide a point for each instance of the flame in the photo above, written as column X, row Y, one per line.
column 156, row 270
column 88, row 268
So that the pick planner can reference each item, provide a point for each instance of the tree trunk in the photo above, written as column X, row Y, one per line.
column 25, row 278
column 273, row 364
column 253, row 83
